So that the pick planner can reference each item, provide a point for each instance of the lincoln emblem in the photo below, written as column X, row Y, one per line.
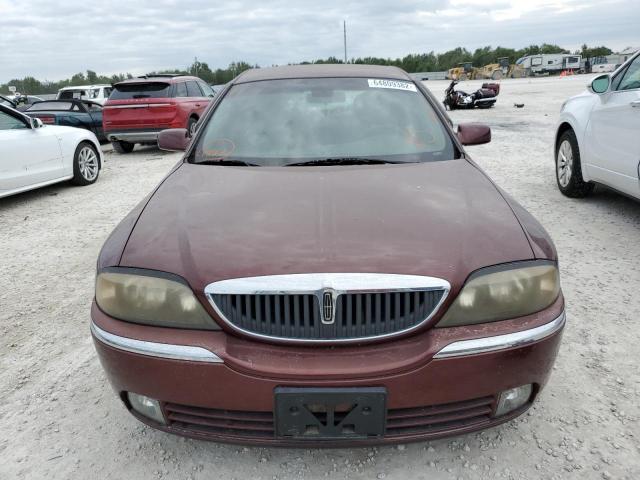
column 327, row 308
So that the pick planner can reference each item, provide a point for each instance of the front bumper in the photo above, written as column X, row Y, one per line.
column 215, row 386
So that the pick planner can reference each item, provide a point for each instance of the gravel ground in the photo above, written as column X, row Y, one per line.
column 59, row 418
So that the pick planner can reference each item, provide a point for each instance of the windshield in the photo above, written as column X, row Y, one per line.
column 127, row 91
column 280, row 122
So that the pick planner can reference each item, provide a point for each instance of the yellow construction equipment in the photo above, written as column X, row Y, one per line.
column 493, row 71
column 502, row 69
column 464, row 71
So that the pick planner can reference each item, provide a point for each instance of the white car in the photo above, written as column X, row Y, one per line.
column 95, row 93
column 598, row 135
column 603, row 68
column 33, row 155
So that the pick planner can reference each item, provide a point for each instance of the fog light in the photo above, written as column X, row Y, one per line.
column 147, row 407
column 513, row 399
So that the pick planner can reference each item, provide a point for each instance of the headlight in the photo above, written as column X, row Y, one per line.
column 163, row 301
column 511, row 291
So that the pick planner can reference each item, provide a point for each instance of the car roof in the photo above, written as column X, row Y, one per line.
column 322, row 71
column 157, row 78
column 85, row 86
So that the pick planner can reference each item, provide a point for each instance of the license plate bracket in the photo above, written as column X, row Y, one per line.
column 330, row 413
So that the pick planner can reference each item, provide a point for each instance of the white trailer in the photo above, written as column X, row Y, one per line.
column 549, row 63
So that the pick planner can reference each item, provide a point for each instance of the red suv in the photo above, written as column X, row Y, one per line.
column 139, row 108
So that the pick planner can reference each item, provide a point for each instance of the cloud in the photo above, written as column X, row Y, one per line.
column 53, row 40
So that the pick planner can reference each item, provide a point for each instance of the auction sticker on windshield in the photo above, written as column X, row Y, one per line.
column 379, row 83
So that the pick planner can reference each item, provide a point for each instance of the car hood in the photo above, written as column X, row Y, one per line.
column 585, row 97
column 209, row 223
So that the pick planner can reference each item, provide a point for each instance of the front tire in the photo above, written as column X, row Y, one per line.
column 497, row 75
column 569, row 168
column 123, row 147
column 86, row 164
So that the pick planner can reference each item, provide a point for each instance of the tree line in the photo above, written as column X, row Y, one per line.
column 415, row 62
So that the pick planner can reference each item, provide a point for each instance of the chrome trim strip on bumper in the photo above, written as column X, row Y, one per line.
column 141, row 136
column 500, row 342
column 137, row 105
column 152, row 349
column 319, row 283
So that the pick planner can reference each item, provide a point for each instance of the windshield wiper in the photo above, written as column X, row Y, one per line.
column 226, row 163
column 341, row 161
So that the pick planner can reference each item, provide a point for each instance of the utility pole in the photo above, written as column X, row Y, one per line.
column 195, row 64
column 345, row 40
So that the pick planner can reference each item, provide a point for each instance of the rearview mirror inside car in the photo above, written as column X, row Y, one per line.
column 600, row 84
column 173, row 139
column 474, row 133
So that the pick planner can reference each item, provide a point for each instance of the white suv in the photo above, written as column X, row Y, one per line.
column 598, row 135
column 95, row 93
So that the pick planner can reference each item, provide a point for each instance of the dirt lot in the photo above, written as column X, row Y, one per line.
column 59, row 418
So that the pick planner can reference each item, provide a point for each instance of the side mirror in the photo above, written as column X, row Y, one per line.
column 36, row 123
column 173, row 140
column 600, row 84
column 474, row 133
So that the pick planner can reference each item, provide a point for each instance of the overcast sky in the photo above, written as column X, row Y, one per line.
column 53, row 40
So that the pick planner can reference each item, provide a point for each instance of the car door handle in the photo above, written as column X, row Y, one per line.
column 635, row 104
column 197, row 104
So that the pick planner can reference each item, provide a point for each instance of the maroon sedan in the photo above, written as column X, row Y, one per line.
column 327, row 266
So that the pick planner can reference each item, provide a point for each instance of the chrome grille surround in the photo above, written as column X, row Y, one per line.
column 322, row 286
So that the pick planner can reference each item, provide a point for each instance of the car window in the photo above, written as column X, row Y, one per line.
column 51, row 106
column 107, row 92
column 181, row 89
column 128, row 91
column 9, row 122
column 277, row 122
column 206, row 89
column 193, row 90
column 93, row 107
column 630, row 79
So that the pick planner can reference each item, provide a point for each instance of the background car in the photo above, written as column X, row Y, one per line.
column 33, row 155
column 95, row 93
column 138, row 109
column 603, row 67
column 7, row 102
column 22, row 102
column 72, row 113
column 598, row 135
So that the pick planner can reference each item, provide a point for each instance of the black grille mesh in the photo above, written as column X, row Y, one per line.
column 357, row 315
column 420, row 421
